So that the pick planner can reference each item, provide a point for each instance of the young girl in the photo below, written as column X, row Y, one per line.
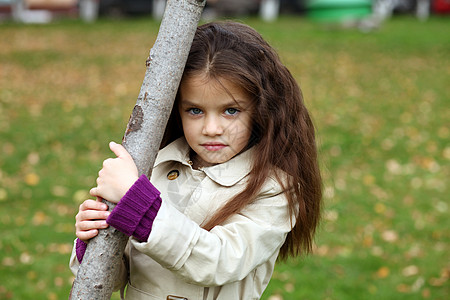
column 235, row 185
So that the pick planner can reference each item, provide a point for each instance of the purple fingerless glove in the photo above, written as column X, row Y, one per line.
column 80, row 249
column 134, row 214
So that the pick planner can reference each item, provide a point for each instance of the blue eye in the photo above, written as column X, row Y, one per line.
column 231, row 111
column 195, row 111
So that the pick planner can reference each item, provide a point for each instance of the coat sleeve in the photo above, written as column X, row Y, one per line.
column 228, row 252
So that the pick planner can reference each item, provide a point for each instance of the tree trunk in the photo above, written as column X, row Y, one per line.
column 143, row 136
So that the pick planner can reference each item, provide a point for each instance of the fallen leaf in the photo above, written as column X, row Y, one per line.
column 377, row 251
column 58, row 281
column 417, row 285
column 426, row 293
column 40, row 218
column 80, row 196
column 8, row 148
column 380, row 208
column 393, row 167
column 25, row 258
column 8, row 262
column 59, row 191
column 289, row 287
column 410, row 271
column 33, row 158
column 322, row 250
column 31, row 179
column 383, row 272
column 331, row 215
column 3, row 194
column 31, row 275
column 64, row 248
column 368, row 241
column 389, row 236
column 368, row 180
column 403, row 288
column 52, row 296
column 446, row 153
column 438, row 281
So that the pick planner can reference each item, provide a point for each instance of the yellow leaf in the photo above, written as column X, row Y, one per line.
column 31, row 275
column 380, row 208
column 289, row 287
column 331, row 215
column 59, row 191
column 80, row 196
column 31, row 179
column 8, row 262
column 383, row 272
column 403, row 288
column 446, row 153
column 40, row 218
column 58, row 281
column 367, row 241
column 52, row 296
column 64, row 248
column 368, row 180
column 3, row 194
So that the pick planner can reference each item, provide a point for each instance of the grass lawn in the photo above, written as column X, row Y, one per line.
column 381, row 104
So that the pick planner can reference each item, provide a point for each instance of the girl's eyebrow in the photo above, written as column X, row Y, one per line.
column 187, row 103
column 232, row 103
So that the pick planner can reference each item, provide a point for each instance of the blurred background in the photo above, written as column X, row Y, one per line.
column 42, row 11
column 374, row 74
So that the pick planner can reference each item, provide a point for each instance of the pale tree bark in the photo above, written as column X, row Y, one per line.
column 143, row 136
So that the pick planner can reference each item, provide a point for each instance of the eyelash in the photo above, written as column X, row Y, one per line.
column 226, row 112
column 236, row 111
column 190, row 110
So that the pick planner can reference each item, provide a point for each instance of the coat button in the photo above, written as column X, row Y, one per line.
column 172, row 175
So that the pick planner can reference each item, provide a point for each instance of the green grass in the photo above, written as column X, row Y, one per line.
column 381, row 104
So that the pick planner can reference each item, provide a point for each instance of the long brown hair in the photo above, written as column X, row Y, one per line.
column 283, row 134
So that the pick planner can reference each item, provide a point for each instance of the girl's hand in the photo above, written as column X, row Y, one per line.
column 117, row 175
column 91, row 217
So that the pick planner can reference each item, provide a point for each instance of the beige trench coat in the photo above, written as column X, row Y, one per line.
column 232, row 261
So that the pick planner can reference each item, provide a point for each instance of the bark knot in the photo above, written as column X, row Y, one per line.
column 136, row 119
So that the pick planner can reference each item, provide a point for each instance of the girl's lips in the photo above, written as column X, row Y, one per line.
column 213, row 146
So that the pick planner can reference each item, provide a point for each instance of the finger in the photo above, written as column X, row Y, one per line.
column 106, row 162
column 89, row 215
column 93, row 205
column 85, row 205
column 94, row 192
column 86, row 235
column 119, row 150
column 90, row 225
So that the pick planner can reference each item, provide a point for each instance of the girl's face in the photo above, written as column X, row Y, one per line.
column 216, row 123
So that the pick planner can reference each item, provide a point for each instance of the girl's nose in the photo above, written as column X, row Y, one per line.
column 212, row 126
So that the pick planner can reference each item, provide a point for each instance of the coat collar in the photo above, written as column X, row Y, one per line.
column 226, row 174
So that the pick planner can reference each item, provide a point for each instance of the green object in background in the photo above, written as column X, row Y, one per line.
column 338, row 10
